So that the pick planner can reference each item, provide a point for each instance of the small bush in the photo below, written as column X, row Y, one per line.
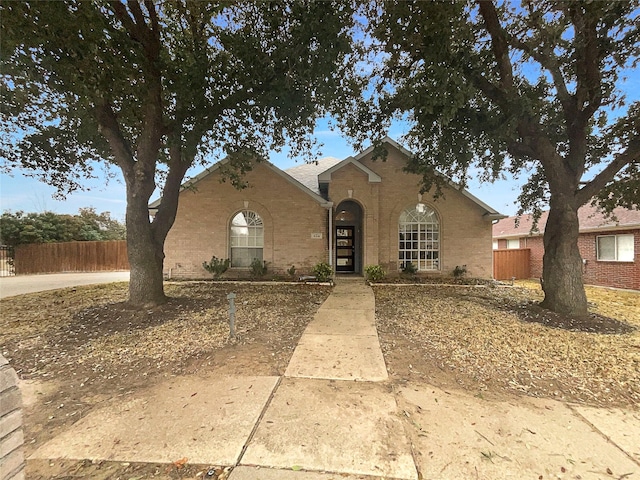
column 408, row 268
column 459, row 272
column 258, row 268
column 322, row 272
column 216, row 266
column 374, row 273
column 292, row 271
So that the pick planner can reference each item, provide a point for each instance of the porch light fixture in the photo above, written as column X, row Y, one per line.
column 342, row 216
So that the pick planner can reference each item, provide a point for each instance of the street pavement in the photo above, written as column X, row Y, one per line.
column 21, row 284
column 335, row 414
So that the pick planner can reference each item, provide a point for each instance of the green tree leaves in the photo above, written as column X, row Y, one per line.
column 88, row 225
column 156, row 86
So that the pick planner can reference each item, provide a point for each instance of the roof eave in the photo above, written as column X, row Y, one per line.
column 490, row 212
column 325, row 177
column 153, row 206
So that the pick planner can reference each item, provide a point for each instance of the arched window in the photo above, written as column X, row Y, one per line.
column 419, row 238
column 247, row 238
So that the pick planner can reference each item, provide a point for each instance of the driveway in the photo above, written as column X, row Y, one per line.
column 18, row 285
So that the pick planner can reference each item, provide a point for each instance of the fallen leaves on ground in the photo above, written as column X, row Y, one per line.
column 486, row 338
column 76, row 348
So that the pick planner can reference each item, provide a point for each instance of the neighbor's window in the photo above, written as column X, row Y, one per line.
column 247, row 238
column 513, row 243
column 419, row 238
column 615, row 248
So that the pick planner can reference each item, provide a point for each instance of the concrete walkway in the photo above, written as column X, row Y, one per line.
column 21, row 284
column 336, row 415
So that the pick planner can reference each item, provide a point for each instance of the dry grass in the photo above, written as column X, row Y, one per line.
column 482, row 337
column 89, row 331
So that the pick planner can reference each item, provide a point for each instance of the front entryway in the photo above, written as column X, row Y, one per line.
column 348, row 237
column 345, row 249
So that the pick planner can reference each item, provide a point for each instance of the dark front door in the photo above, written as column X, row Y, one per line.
column 345, row 249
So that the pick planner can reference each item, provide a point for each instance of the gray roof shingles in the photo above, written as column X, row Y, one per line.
column 307, row 174
column 590, row 219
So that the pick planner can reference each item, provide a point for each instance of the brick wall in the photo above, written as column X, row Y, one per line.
column 536, row 247
column 11, row 437
column 291, row 217
column 465, row 234
column 603, row 273
column 610, row 274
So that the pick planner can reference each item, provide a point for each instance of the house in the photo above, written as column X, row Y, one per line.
column 609, row 246
column 349, row 213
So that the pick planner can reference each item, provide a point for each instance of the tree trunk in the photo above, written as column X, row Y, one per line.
column 562, row 264
column 146, row 256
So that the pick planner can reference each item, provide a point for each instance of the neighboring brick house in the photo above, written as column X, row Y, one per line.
column 349, row 213
column 609, row 246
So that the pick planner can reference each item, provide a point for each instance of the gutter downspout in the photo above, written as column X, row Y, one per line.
column 329, row 207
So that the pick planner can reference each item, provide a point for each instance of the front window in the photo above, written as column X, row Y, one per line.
column 615, row 248
column 247, row 238
column 419, row 238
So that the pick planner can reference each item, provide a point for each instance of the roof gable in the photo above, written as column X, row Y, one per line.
column 308, row 177
column 208, row 171
column 489, row 212
column 325, row 177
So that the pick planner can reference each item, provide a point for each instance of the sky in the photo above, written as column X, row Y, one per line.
column 19, row 192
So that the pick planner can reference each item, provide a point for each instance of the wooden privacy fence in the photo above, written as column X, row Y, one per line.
column 512, row 263
column 71, row 257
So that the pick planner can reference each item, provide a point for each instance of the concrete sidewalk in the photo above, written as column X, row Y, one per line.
column 336, row 415
column 21, row 284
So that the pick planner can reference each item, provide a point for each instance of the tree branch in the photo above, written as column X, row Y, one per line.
column 109, row 128
column 551, row 65
column 630, row 155
column 167, row 210
column 588, row 76
column 499, row 43
column 121, row 13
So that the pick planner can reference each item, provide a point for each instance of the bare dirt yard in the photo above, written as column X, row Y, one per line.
column 494, row 341
column 76, row 349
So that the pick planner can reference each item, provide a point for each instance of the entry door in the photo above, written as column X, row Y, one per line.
column 345, row 249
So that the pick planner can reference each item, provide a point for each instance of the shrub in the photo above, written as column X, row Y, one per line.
column 408, row 268
column 258, row 268
column 374, row 273
column 216, row 266
column 459, row 272
column 292, row 271
column 322, row 272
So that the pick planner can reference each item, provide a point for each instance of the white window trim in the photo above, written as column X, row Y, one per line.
column 510, row 240
column 615, row 237
column 254, row 242
column 422, row 210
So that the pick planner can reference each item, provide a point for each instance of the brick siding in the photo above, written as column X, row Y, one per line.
column 291, row 217
column 596, row 272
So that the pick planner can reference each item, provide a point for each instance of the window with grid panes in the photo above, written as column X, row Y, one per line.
column 419, row 238
column 247, row 238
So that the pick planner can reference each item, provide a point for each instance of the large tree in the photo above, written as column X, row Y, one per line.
column 153, row 86
column 530, row 88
